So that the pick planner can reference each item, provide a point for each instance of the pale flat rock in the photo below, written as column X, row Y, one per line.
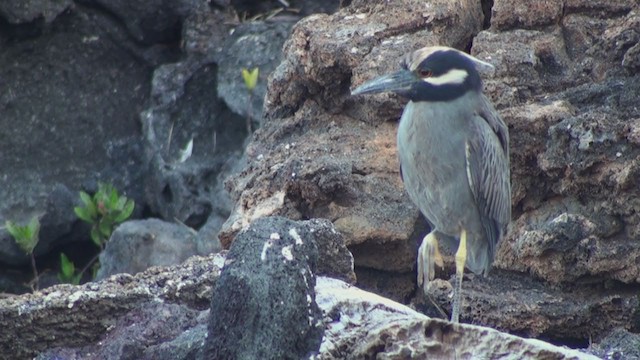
column 362, row 325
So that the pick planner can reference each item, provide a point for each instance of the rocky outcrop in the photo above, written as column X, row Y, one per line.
column 162, row 314
column 263, row 304
column 566, row 84
column 114, row 91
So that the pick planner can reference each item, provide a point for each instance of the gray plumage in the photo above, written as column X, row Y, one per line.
column 453, row 149
column 462, row 181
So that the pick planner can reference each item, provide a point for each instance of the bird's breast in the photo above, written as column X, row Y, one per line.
column 431, row 149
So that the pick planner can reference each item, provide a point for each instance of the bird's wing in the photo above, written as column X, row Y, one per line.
column 487, row 155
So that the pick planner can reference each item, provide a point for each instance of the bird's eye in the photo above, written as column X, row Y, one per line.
column 425, row 73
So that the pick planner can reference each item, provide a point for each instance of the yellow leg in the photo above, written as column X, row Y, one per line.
column 461, row 258
column 428, row 256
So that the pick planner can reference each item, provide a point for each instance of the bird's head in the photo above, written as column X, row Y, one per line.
column 431, row 74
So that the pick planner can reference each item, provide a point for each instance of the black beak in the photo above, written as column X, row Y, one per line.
column 400, row 81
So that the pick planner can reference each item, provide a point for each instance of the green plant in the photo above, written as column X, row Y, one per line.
column 68, row 272
column 250, row 78
column 27, row 237
column 105, row 210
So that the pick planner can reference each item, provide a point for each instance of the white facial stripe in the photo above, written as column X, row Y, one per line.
column 421, row 54
column 453, row 76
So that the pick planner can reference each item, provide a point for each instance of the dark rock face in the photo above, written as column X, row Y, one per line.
column 254, row 44
column 149, row 22
column 135, row 336
column 69, row 105
column 263, row 304
column 18, row 12
column 137, row 245
column 136, row 313
column 113, row 92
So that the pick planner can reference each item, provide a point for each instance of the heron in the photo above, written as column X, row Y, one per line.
column 453, row 149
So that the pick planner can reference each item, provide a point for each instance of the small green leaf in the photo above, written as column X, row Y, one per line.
column 25, row 236
column 83, row 214
column 89, row 204
column 67, row 272
column 113, row 199
column 67, row 268
column 13, row 229
column 126, row 212
column 86, row 198
column 95, row 236
column 250, row 78
column 105, row 228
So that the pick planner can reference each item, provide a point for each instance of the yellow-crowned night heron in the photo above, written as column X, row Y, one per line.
column 454, row 159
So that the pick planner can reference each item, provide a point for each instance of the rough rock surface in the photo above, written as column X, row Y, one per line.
column 161, row 314
column 366, row 326
column 60, row 134
column 18, row 12
column 164, row 311
column 79, row 79
column 566, row 84
column 138, row 245
column 263, row 304
column 67, row 316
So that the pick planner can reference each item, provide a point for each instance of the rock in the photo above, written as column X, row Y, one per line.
column 619, row 344
column 69, row 121
column 531, row 308
column 162, row 314
column 263, row 304
column 365, row 325
column 137, row 245
column 193, row 191
column 564, row 83
column 136, row 335
column 102, row 317
column 514, row 14
column 334, row 259
column 256, row 44
column 186, row 110
column 149, row 22
column 26, row 11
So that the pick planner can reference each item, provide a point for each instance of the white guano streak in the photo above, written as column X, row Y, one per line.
column 294, row 234
column 453, row 76
column 267, row 244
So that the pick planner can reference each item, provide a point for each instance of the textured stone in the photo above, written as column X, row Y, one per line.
column 137, row 245
column 66, row 316
column 161, row 314
column 263, row 304
column 60, row 133
column 565, row 85
column 18, row 12
column 323, row 154
column 525, row 15
column 367, row 326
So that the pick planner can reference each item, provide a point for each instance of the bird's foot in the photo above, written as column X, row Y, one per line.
column 428, row 257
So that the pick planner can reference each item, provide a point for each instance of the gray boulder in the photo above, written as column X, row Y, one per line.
column 137, row 245
column 263, row 304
